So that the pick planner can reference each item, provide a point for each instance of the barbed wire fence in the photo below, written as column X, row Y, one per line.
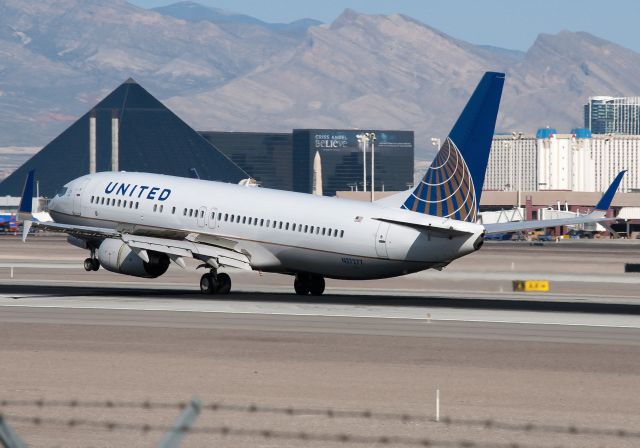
column 183, row 426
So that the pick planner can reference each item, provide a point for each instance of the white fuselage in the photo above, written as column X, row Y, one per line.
column 280, row 231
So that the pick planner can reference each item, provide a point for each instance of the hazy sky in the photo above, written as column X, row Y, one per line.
column 504, row 23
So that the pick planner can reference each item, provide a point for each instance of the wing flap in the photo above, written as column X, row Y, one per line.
column 183, row 248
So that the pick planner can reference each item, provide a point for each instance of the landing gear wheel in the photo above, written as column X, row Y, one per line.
column 224, row 283
column 95, row 264
column 208, row 284
column 316, row 285
column 301, row 285
column 88, row 264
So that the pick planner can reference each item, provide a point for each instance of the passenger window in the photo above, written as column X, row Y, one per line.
column 280, row 225
column 261, row 222
column 286, row 226
column 119, row 201
column 341, row 233
column 92, row 199
column 293, row 227
column 202, row 213
column 184, row 213
column 323, row 231
column 275, row 224
column 155, row 207
column 130, row 204
column 312, row 229
column 244, row 220
column 219, row 216
column 161, row 207
column 226, row 216
column 317, row 230
column 335, row 232
column 173, row 210
column 190, row 212
column 102, row 201
column 213, row 215
column 137, row 204
column 306, row 229
column 267, row 223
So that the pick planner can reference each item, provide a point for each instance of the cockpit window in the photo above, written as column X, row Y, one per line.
column 62, row 191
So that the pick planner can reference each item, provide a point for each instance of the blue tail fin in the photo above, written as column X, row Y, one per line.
column 26, row 201
column 453, row 183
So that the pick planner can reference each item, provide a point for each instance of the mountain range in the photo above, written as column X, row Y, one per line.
column 225, row 71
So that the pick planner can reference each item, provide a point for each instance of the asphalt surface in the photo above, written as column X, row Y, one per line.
column 566, row 358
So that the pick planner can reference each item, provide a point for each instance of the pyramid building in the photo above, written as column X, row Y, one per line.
column 130, row 130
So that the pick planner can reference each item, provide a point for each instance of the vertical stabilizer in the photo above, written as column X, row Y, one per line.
column 453, row 183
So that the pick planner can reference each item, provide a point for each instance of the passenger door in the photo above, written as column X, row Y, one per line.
column 77, row 196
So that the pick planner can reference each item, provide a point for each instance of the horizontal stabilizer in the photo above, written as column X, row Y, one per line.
column 445, row 231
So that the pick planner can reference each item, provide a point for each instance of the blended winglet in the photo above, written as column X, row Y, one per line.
column 607, row 197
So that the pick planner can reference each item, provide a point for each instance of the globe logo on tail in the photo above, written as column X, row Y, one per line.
column 447, row 188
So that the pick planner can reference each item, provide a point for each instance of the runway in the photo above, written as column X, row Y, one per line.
column 571, row 357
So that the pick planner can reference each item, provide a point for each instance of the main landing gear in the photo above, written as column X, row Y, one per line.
column 306, row 284
column 91, row 263
column 213, row 283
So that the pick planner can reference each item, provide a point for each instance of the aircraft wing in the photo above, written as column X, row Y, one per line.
column 176, row 249
column 598, row 215
column 215, row 256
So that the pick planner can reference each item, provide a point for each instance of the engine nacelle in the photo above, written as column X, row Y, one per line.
column 116, row 256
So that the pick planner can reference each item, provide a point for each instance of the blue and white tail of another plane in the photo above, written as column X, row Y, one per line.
column 452, row 185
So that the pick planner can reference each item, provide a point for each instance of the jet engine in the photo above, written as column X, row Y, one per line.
column 116, row 256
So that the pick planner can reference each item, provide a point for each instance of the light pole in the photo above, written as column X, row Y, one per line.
column 515, row 137
column 371, row 137
column 363, row 139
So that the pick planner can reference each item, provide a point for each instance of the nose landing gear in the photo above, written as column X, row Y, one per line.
column 91, row 263
column 305, row 284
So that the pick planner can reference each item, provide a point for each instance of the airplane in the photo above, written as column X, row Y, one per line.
column 139, row 223
column 8, row 222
